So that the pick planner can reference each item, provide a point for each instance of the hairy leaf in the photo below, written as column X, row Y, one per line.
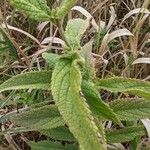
column 30, row 80
column 88, row 69
column 66, row 82
column 64, row 8
column 98, row 107
column 51, row 59
column 59, row 133
column 125, row 134
column 48, row 145
column 131, row 109
column 74, row 30
column 132, row 86
column 46, row 117
column 35, row 9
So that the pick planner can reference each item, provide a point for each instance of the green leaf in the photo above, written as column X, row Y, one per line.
column 98, row 39
column 59, row 133
column 8, row 44
column 35, row 9
column 125, row 134
column 66, row 88
column 88, row 69
column 46, row 117
column 135, row 143
column 131, row 109
column 48, row 145
column 98, row 107
column 64, row 8
column 51, row 59
column 132, row 86
column 74, row 31
column 30, row 80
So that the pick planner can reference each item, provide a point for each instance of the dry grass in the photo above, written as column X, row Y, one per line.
column 122, row 50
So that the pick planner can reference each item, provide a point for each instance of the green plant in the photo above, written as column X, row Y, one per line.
column 79, row 112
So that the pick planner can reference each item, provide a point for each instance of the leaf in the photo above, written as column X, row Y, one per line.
column 146, row 123
column 141, row 61
column 125, row 134
column 22, row 32
column 132, row 86
column 30, row 80
column 89, row 17
column 66, row 87
column 112, row 17
column 49, row 145
column 136, row 11
column 15, row 130
column 35, row 9
column 88, row 69
column 74, row 30
column 45, row 117
column 52, row 39
column 64, row 8
column 98, row 37
column 51, row 59
column 8, row 44
column 59, row 133
column 98, row 107
column 131, row 109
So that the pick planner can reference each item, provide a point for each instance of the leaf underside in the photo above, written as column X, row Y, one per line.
column 125, row 134
column 66, row 82
column 74, row 30
column 64, row 8
column 132, row 86
column 49, row 145
column 30, row 80
column 46, row 117
column 35, row 9
column 98, row 107
column 131, row 109
column 59, row 133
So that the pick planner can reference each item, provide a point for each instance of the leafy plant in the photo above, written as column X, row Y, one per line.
column 78, row 112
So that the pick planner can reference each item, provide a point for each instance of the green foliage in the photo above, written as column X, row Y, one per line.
column 132, row 86
column 74, row 30
column 51, row 59
column 131, row 109
column 48, row 145
column 77, row 112
column 38, row 9
column 45, row 117
column 98, row 39
column 30, row 80
column 59, row 133
column 88, row 70
column 66, row 88
column 6, row 44
column 98, row 107
column 125, row 134
column 64, row 8
column 35, row 9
